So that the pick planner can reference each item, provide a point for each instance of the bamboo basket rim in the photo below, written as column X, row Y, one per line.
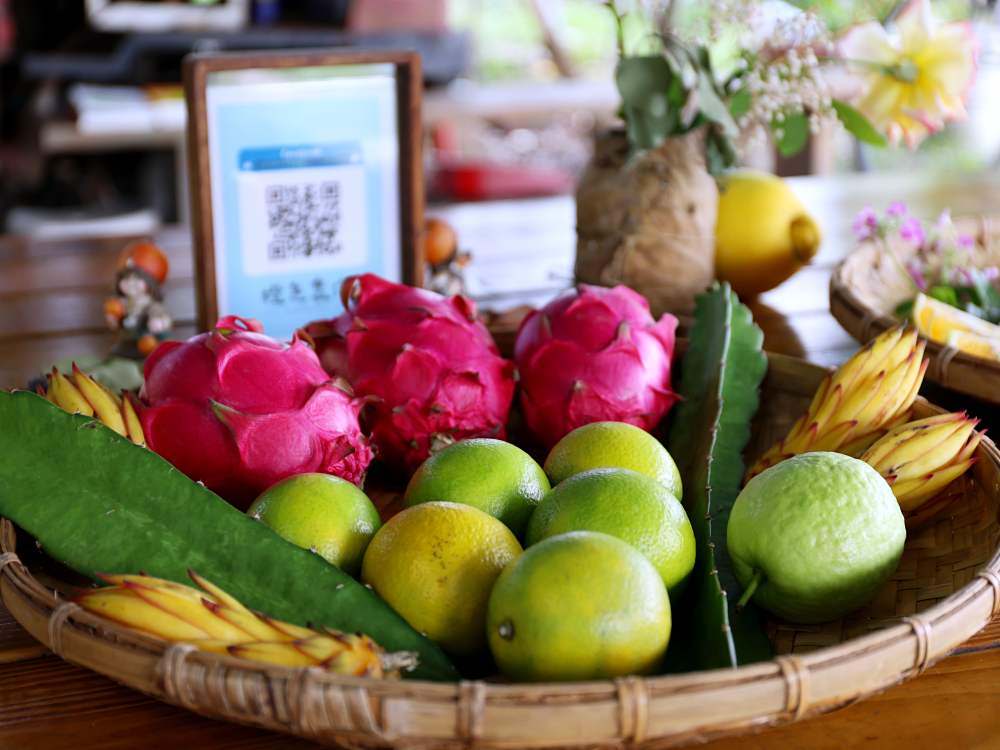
column 948, row 367
column 365, row 712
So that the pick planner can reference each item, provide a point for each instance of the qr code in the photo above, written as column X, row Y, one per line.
column 304, row 220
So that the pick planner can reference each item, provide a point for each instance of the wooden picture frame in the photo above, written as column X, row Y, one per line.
column 408, row 85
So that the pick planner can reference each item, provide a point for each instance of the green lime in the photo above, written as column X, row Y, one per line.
column 581, row 606
column 627, row 505
column 435, row 564
column 320, row 512
column 613, row 445
column 497, row 477
column 815, row 536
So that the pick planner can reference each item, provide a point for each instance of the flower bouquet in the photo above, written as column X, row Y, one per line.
column 646, row 205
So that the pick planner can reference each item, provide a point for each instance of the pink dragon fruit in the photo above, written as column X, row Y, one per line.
column 433, row 369
column 238, row 411
column 594, row 354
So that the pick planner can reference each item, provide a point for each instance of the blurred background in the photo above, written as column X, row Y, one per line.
column 92, row 114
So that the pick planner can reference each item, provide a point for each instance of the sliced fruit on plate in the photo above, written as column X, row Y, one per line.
column 974, row 344
column 937, row 320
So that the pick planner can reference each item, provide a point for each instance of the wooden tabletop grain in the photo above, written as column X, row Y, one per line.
column 50, row 309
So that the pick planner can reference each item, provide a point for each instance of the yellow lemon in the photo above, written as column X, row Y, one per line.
column 613, row 445
column 763, row 233
column 940, row 322
column 977, row 346
column 323, row 513
column 435, row 564
column 580, row 606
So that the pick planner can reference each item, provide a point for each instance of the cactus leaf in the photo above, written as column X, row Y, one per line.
column 720, row 382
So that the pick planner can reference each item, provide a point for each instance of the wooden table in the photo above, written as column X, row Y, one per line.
column 50, row 308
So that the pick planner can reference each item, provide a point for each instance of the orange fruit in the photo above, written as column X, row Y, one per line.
column 613, row 445
column 322, row 513
column 625, row 504
column 435, row 564
column 580, row 606
column 114, row 307
column 495, row 476
column 146, row 343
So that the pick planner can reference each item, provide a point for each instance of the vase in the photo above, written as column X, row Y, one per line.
column 648, row 220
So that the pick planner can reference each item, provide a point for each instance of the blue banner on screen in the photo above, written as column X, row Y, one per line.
column 305, row 188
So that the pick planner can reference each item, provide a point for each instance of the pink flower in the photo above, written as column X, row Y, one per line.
column 966, row 241
column 896, row 209
column 962, row 276
column 866, row 224
column 912, row 231
column 917, row 274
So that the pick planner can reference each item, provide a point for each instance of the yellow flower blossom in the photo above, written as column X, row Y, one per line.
column 916, row 74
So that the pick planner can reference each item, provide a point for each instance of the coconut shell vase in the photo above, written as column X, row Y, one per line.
column 647, row 220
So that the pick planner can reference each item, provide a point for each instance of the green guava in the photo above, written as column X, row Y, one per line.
column 815, row 536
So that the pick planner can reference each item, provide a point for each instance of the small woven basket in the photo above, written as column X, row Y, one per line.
column 947, row 587
column 869, row 284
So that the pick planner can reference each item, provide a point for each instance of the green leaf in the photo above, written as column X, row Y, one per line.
column 712, row 106
column 985, row 291
column 640, row 78
column 794, row 134
column 945, row 294
column 643, row 132
column 648, row 130
column 652, row 98
column 99, row 503
column 619, row 26
column 710, row 100
column 739, row 103
column 719, row 153
column 857, row 124
column 904, row 309
column 719, row 388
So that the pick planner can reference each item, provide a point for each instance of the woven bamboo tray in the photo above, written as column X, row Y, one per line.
column 947, row 587
column 868, row 285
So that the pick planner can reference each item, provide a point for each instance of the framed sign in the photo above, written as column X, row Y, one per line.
column 305, row 168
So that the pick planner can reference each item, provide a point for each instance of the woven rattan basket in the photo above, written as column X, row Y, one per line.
column 869, row 284
column 947, row 587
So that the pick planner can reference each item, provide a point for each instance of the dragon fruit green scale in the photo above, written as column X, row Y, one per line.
column 430, row 366
column 239, row 411
column 594, row 354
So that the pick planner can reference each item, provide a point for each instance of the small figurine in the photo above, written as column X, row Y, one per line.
column 137, row 311
column 446, row 264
